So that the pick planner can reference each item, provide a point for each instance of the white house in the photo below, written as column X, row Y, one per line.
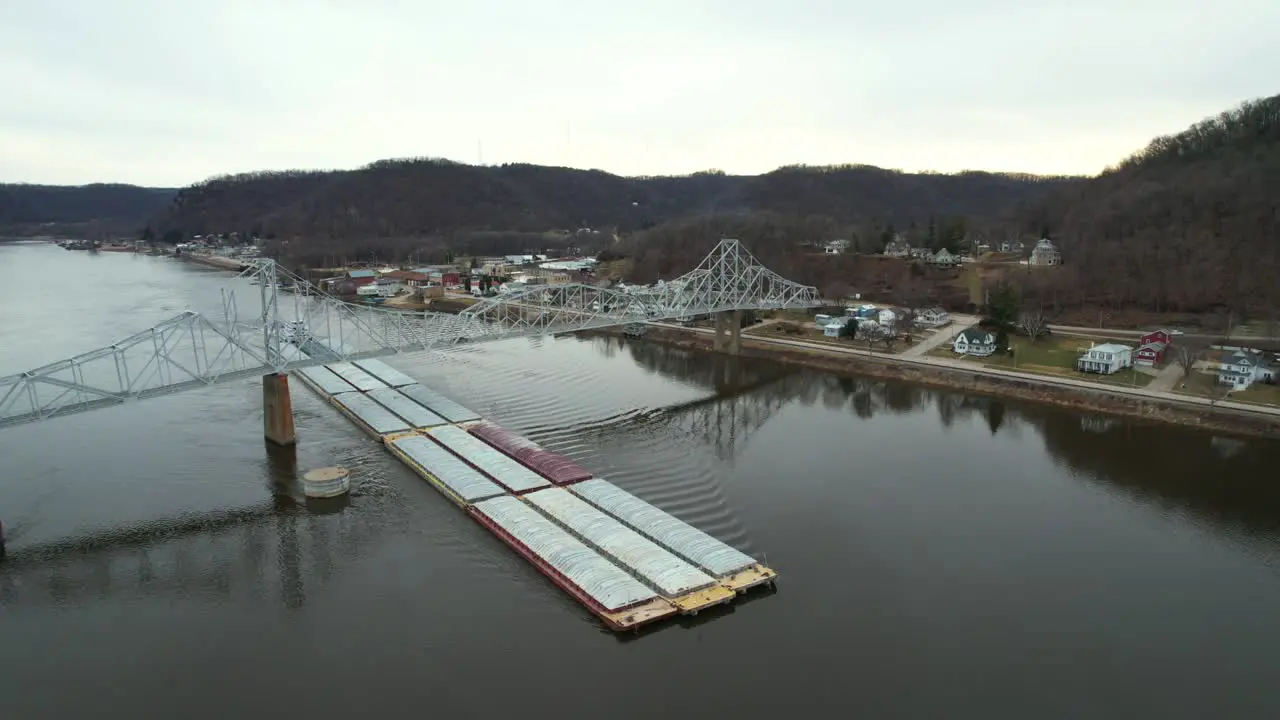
column 974, row 341
column 1241, row 369
column 1106, row 358
column 944, row 258
column 932, row 317
column 836, row 247
column 897, row 247
column 887, row 317
column 382, row 287
column 1045, row 253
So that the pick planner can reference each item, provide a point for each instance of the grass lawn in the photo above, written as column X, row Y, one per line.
column 1259, row 393
column 1053, row 355
column 795, row 331
column 1205, row 384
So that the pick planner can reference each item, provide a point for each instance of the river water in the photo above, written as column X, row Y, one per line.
column 940, row 555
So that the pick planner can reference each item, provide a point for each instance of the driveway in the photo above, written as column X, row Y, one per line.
column 942, row 335
column 1166, row 378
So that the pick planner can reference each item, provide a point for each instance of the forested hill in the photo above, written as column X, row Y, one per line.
column 107, row 208
column 1189, row 223
column 424, row 197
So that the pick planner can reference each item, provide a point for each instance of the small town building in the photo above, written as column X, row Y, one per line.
column 1152, row 348
column 944, row 258
column 1243, row 368
column 897, row 247
column 1105, row 359
column 1045, row 253
column 932, row 317
column 836, row 247
column 1156, row 336
column 408, row 278
column 1149, row 355
column 974, row 341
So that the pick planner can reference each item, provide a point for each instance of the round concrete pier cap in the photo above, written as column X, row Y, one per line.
column 326, row 482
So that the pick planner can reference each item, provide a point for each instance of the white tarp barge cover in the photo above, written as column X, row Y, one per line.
column 667, row 530
column 326, row 380
column 413, row 413
column 354, row 375
column 600, row 579
column 439, row 404
column 385, row 372
column 373, row 414
column 491, row 460
column 466, row 481
column 653, row 564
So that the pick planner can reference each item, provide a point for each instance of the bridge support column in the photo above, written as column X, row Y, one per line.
column 720, row 340
column 735, row 332
column 277, row 409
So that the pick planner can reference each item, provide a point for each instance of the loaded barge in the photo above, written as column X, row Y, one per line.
column 626, row 560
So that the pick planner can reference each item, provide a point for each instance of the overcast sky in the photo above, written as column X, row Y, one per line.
column 168, row 92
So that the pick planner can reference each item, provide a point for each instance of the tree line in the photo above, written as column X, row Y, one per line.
column 435, row 197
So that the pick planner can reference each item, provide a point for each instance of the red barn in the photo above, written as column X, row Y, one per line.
column 1149, row 354
column 1158, row 336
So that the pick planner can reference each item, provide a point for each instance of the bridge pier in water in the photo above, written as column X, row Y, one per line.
column 277, row 410
column 728, row 336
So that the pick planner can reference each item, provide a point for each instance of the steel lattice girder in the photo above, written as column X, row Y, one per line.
column 309, row 327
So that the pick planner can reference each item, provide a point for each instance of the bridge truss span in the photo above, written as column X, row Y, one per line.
column 296, row 325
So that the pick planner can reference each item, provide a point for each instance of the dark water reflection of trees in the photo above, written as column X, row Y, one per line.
column 1226, row 481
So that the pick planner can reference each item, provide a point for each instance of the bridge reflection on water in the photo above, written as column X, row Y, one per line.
column 282, row 549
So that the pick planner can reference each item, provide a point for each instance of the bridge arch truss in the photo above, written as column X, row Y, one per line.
column 305, row 326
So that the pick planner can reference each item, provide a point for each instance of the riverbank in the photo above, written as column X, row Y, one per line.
column 214, row 261
column 1135, row 403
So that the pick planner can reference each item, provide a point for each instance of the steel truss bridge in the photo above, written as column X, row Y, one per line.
column 306, row 326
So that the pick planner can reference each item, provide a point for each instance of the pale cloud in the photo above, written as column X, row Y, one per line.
column 167, row 93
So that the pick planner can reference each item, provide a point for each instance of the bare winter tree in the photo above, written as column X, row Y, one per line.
column 1033, row 323
column 1185, row 354
column 888, row 337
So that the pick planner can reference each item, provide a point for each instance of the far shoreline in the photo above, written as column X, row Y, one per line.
column 982, row 381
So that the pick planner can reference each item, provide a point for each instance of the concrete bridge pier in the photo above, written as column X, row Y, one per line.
column 277, row 410
column 728, row 336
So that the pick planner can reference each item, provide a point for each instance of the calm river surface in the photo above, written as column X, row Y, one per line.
column 940, row 555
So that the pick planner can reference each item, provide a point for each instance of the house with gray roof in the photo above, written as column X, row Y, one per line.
column 1242, row 368
column 974, row 341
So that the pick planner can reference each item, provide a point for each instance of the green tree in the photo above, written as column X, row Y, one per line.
column 1002, row 312
column 952, row 235
column 466, row 283
column 887, row 235
column 850, row 329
